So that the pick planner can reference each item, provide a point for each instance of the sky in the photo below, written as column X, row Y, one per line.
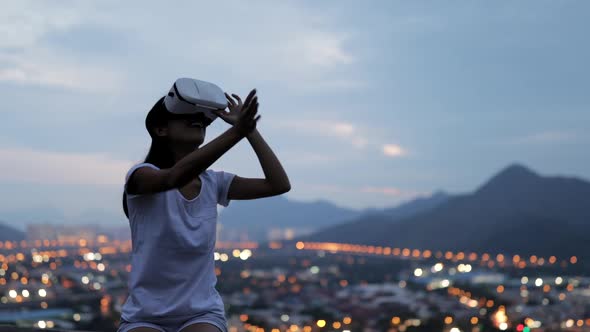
column 365, row 104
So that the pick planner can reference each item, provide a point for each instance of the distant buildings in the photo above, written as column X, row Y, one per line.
column 67, row 233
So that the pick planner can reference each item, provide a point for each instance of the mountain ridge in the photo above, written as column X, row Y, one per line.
column 515, row 198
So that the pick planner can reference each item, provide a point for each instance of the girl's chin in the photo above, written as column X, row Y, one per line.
column 198, row 140
column 195, row 140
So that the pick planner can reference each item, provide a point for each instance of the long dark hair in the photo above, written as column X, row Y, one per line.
column 159, row 153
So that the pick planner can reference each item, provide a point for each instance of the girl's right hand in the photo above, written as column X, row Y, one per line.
column 246, row 120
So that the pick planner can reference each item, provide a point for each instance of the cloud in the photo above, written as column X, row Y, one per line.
column 546, row 137
column 329, row 188
column 389, row 191
column 317, row 48
column 385, row 191
column 341, row 129
column 345, row 131
column 44, row 68
column 303, row 58
column 44, row 167
column 393, row 150
column 314, row 61
column 24, row 23
column 306, row 158
column 325, row 128
column 26, row 60
column 359, row 142
column 303, row 50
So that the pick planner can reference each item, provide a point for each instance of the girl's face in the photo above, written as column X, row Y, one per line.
column 187, row 128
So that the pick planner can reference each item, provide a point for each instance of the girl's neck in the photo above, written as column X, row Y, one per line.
column 179, row 151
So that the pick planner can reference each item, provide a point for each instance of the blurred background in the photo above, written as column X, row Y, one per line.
column 435, row 152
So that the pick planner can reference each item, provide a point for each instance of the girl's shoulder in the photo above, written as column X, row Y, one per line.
column 136, row 166
column 218, row 175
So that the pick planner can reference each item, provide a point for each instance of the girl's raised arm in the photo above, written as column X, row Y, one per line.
column 275, row 181
column 148, row 180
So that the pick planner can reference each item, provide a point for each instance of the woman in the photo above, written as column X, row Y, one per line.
column 171, row 202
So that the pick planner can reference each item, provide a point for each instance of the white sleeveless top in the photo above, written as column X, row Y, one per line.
column 173, row 239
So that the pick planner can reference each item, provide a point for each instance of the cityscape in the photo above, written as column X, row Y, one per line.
column 77, row 281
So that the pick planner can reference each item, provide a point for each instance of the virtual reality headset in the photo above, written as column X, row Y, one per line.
column 191, row 96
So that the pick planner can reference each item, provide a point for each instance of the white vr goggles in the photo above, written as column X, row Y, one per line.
column 190, row 96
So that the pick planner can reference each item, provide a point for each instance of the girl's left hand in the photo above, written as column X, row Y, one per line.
column 235, row 108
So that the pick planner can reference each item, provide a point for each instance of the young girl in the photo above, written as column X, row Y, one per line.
column 171, row 202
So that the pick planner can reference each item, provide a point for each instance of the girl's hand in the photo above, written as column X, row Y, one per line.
column 235, row 108
column 241, row 115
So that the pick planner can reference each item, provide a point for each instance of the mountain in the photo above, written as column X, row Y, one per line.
column 418, row 205
column 516, row 211
column 19, row 218
column 364, row 228
column 259, row 217
column 8, row 233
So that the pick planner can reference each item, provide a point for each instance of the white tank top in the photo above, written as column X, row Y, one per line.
column 173, row 239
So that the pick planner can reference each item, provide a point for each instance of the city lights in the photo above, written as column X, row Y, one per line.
column 425, row 271
column 418, row 272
